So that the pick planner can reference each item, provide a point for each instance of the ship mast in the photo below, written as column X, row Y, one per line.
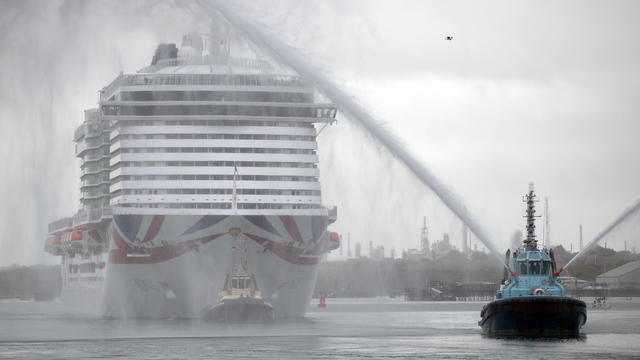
column 530, row 198
column 234, row 201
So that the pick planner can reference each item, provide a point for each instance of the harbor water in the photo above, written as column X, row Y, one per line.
column 380, row 328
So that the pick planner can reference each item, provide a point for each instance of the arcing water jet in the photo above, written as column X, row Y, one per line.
column 288, row 56
column 628, row 212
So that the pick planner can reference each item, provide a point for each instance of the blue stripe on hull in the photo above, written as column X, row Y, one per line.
column 129, row 225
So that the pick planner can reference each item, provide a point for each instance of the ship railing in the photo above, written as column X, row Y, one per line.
column 90, row 129
column 93, row 182
column 203, row 79
column 91, row 115
column 80, row 217
column 95, row 129
column 94, row 170
column 110, row 89
column 90, row 144
column 92, row 157
column 60, row 225
column 209, row 60
column 333, row 214
column 78, row 133
column 86, row 216
column 93, row 194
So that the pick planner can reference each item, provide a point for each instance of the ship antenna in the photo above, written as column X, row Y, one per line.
column 234, row 201
column 530, row 198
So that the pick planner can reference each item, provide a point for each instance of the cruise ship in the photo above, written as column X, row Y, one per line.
column 180, row 161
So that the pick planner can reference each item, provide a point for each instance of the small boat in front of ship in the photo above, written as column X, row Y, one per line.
column 240, row 300
column 531, row 302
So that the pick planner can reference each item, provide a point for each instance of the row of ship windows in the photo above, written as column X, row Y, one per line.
column 95, row 203
column 236, row 110
column 103, row 193
column 89, row 279
column 213, row 123
column 221, row 206
column 215, row 150
column 96, row 166
column 97, row 141
column 261, row 96
column 212, row 163
column 214, row 177
column 85, row 267
column 216, row 136
column 215, row 192
column 213, row 79
column 94, row 152
column 95, row 127
column 95, row 179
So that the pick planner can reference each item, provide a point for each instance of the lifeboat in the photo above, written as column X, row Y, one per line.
column 334, row 240
column 70, row 241
column 53, row 246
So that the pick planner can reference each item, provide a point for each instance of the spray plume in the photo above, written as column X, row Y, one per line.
column 628, row 212
column 346, row 104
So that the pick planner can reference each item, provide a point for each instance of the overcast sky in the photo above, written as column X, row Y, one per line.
column 527, row 91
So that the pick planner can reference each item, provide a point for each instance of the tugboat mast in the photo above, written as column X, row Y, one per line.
column 532, row 302
column 530, row 198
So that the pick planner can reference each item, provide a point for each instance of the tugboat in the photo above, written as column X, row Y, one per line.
column 240, row 300
column 531, row 302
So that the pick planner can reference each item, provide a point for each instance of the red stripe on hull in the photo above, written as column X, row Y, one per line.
column 291, row 227
column 154, row 228
column 153, row 255
column 291, row 254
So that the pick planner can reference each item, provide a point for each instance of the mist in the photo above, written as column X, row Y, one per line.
column 534, row 92
column 56, row 56
column 445, row 110
column 519, row 95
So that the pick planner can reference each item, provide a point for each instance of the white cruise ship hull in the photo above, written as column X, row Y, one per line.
column 173, row 266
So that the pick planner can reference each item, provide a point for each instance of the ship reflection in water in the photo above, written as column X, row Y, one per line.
column 375, row 328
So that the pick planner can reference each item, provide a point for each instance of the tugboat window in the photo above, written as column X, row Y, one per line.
column 535, row 268
column 523, row 268
column 545, row 268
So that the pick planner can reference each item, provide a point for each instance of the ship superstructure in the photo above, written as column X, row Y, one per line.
column 184, row 156
column 81, row 240
column 533, row 266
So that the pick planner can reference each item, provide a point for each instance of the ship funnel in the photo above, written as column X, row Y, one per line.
column 165, row 52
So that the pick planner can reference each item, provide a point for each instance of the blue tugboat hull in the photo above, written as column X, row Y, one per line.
column 241, row 310
column 534, row 316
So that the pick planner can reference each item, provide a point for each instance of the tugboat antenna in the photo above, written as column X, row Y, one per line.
column 530, row 199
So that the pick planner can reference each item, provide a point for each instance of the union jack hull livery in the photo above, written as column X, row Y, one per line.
column 178, row 161
column 174, row 265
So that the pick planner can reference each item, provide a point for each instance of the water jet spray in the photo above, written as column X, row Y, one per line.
column 628, row 212
column 289, row 56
